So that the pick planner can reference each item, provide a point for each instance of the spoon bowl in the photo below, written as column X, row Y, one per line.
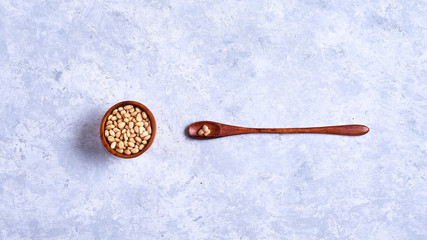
column 214, row 127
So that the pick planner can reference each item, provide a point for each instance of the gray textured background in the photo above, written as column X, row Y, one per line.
column 257, row 63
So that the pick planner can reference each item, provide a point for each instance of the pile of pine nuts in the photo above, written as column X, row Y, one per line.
column 204, row 131
column 128, row 129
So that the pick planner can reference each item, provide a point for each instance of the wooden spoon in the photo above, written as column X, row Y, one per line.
column 223, row 130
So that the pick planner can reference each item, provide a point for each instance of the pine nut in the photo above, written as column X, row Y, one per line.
column 139, row 117
column 144, row 134
column 109, row 117
column 200, row 132
column 139, row 124
column 113, row 145
column 131, row 125
column 122, row 125
column 121, row 145
column 134, row 113
column 136, row 129
column 120, row 108
column 114, row 118
column 141, row 147
column 144, row 115
column 127, row 107
column 127, row 152
column 110, row 138
column 131, row 144
column 109, row 127
column 138, row 139
column 106, row 133
column 126, row 120
column 112, row 133
column 119, row 150
column 147, row 137
column 109, row 122
column 205, row 128
column 135, row 150
column 144, row 142
column 115, row 111
column 149, row 129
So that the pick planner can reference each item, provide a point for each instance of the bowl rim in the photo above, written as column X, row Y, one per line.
column 104, row 120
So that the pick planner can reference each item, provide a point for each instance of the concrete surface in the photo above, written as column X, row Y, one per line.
column 250, row 63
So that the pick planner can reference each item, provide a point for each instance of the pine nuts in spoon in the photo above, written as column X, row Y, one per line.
column 204, row 131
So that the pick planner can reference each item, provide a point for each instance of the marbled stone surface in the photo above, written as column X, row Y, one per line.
column 250, row 63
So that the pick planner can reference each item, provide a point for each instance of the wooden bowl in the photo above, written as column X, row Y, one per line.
column 104, row 120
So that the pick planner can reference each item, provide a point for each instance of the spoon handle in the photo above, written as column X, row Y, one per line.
column 350, row 130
